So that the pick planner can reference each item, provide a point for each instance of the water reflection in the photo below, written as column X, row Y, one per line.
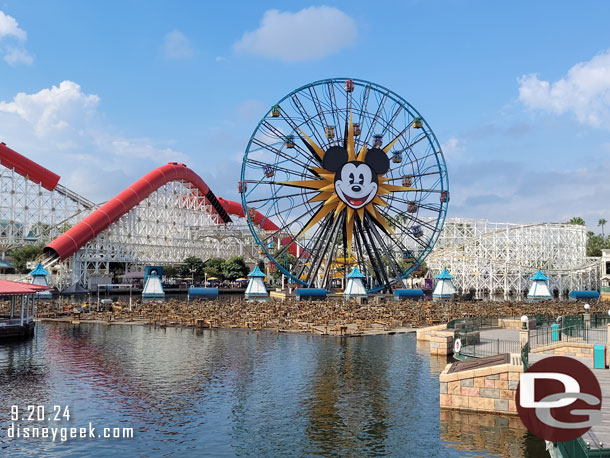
column 503, row 436
column 237, row 393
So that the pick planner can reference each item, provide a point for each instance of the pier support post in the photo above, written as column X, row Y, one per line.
column 22, row 307
column 587, row 320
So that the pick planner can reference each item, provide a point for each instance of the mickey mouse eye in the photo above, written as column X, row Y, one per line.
column 361, row 179
column 351, row 178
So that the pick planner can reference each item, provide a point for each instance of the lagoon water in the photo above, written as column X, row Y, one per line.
column 218, row 393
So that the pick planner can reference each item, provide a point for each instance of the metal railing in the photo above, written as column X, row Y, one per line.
column 473, row 323
column 548, row 336
column 481, row 347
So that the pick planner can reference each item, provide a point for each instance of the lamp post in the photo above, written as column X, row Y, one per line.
column 587, row 316
column 524, row 333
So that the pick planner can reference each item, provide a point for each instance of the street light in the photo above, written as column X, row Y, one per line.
column 524, row 322
column 587, row 307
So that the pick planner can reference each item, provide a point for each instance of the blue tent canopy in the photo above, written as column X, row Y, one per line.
column 39, row 271
column 444, row 275
column 538, row 276
column 256, row 272
column 355, row 273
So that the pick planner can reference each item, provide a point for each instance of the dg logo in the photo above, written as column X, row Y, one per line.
column 559, row 399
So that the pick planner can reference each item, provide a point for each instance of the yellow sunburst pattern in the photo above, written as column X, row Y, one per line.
column 325, row 185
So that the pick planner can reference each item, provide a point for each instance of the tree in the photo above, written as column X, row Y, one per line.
column 21, row 256
column 170, row 271
column 192, row 266
column 577, row 220
column 213, row 268
column 285, row 260
column 234, row 268
column 602, row 222
column 596, row 243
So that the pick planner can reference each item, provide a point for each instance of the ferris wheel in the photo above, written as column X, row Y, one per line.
column 344, row 173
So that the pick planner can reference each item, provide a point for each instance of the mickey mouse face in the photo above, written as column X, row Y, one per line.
column 356, row 182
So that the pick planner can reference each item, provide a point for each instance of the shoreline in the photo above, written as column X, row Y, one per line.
column 315, row 330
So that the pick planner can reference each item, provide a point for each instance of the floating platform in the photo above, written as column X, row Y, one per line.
column 11, row 330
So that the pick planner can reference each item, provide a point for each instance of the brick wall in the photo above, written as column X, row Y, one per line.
column 578, row 349
column 424, row 333
column 441, row 343
column 490, row 389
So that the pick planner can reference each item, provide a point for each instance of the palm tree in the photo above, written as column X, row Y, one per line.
column 577, row 220
column 602, row 222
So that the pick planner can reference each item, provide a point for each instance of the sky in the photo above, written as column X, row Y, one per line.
column 518, row 93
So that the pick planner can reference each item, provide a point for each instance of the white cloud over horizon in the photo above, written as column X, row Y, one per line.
column 176, row 46
column 63, row 129
column 12, row 42
column 584, row 91
column 309, row 34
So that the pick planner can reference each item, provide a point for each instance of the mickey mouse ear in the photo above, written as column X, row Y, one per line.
column 334, row 158
column 377, row 160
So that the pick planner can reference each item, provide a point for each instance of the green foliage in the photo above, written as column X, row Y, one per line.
column 285, row 260
column 21, row 256
column 192, row 266
column 171, row 271
column 65, row 227
column 576, row 220
column 596, row 243
column 235, row 268
column 214, row 268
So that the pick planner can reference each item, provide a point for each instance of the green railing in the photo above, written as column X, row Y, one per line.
column 547, row 336
column 473, row 323
column 578, row 449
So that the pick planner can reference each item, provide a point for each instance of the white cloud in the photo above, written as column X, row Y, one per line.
column 176, row 46
column 583, row 91
column 453, row 147
column 12, row 41
column 312, row 33
column 63, row 129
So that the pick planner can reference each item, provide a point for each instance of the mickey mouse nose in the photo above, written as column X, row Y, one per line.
column 356, row 188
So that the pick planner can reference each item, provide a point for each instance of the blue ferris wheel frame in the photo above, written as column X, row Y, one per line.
column 440, row 163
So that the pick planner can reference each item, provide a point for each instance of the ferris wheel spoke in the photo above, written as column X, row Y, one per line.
column 277, row 151
column 318, row 250
column 333, row 103
column 266, row 199
column 277, row 168
column 284, row 138
column 310, row 121
column 318, row 105
column 331, row 256
column 373, row 228
column 375, row 120
column 419, row 205
column 374, row 257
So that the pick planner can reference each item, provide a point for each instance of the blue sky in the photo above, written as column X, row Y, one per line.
column 517, row 92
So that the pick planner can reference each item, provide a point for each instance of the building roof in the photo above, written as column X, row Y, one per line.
column 355, row 273
column 444, row 275
column 256, row 272
column 8, row 287
column 39, row 270
column 539, row 276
